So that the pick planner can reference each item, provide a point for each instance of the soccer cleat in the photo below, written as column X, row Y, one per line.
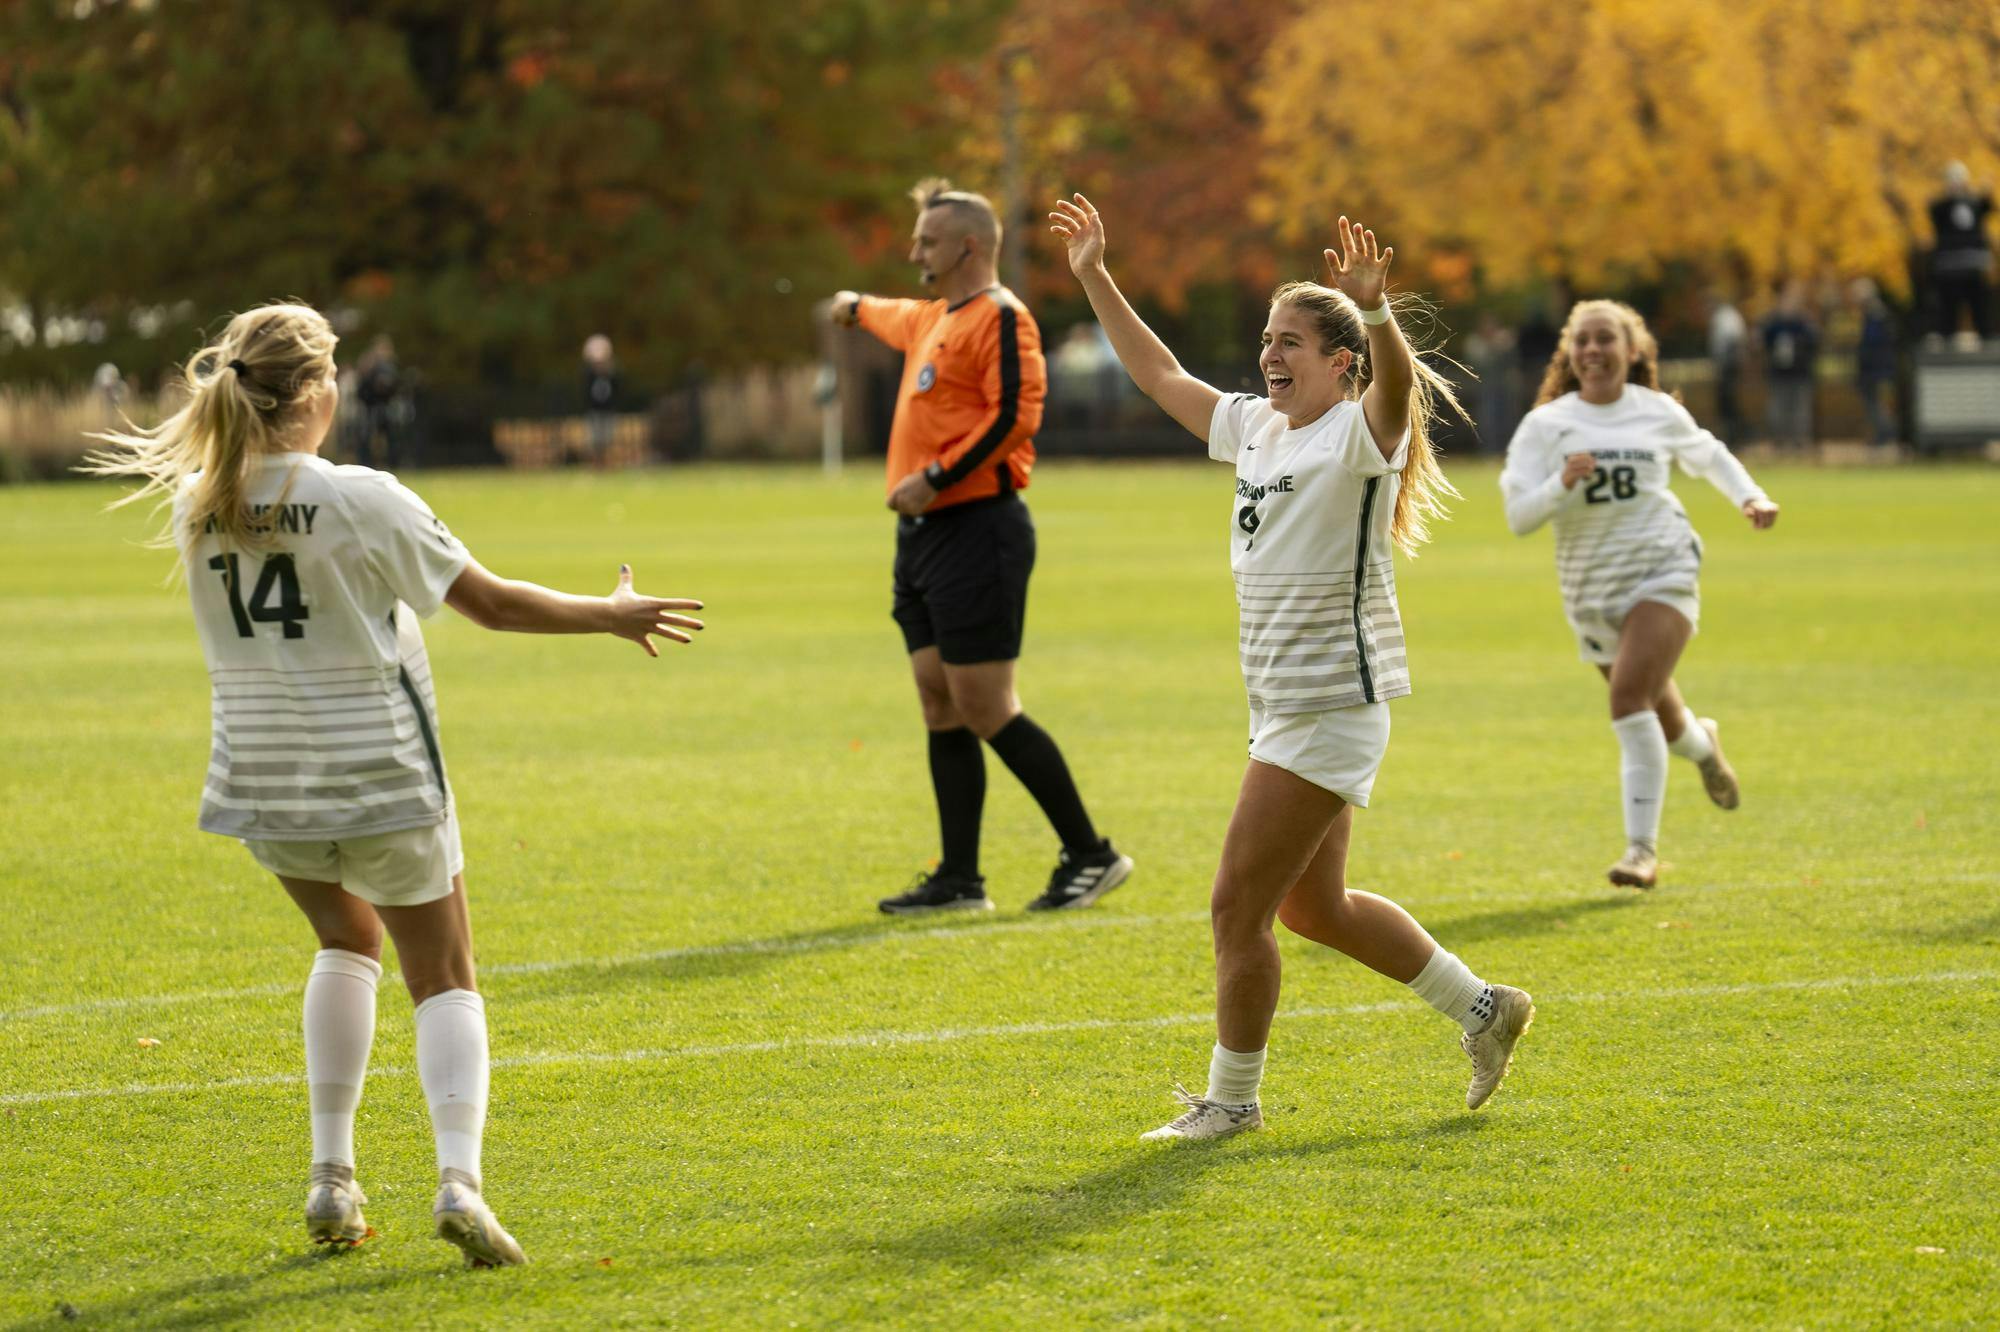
column 1639, row 867
column 1492, row 1050
column 333, row 1206
column 938, row 892
column 1204, row 1118
column 1081, row 879
column 1717, row 777
column 464, row 1219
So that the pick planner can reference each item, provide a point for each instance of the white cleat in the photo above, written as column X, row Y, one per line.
column 1492, row 1050
column 1206, row 1119
column 1717, row 777
column 464, row 1219
column 333, row 1206
column 1639, row 867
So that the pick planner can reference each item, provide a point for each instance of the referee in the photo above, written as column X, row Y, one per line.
column 960, row 452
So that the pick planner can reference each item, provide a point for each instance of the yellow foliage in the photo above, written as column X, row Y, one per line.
column 1604, row 138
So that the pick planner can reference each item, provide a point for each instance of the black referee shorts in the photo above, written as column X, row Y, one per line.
column 962, row 579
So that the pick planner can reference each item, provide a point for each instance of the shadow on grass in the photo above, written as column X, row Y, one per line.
column 1050, row 1215
column 1968, row 930
column 233, row 1297
column 747, row 956
column 1454, row 932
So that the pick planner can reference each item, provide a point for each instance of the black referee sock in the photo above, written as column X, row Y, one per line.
column 1030, row 753
column 958, row 775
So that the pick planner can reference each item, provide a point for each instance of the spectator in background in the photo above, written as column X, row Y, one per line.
column 1728, row 337
column 1962, row 261
column 1875, row 360
column 600, row 395
column 380, row 389
column 1790, row 344
column 1086, row 376
column 110, row 387
column 1489, row 353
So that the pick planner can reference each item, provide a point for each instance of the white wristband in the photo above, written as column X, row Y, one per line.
column 1378, row 315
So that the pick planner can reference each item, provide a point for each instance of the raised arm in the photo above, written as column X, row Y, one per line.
column 1152, row 367
column 1361, row 269
column 492, row 602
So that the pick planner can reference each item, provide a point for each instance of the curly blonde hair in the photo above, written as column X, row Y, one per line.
column 1560, row 377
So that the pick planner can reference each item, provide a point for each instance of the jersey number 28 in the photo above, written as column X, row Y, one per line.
column 278, row 575
column 1624, row 483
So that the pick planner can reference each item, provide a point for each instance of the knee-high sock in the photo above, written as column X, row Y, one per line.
column 1030, row 753
column 451, row 1063
column 339, row 1027
column 1234, row 1076
column 1449, row 986
column 1693, row 742
column 958, row 776
column 1642, row 774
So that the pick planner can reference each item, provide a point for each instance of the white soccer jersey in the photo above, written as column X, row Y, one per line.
column 325, row 722
column 1622, row 526
column 1309, row 545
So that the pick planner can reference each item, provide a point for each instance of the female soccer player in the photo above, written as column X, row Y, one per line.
column 1331, row 469
column 306, row 580
column 1594, row 455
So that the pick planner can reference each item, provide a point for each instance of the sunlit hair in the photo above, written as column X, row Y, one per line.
column 231, row 418
column 974, row 213
column 1643, row 368
column 1424, row 489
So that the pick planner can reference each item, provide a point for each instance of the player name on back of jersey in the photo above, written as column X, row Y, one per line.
column 291, row 518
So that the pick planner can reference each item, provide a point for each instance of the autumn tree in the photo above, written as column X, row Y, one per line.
column 490, row 180
column 1602, row 139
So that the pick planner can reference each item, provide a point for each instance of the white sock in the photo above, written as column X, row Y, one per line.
column 1233, row 1078
column 1642, row 774
column 1449, row 986
column 1693, row 742
column 340, row 1026
column 451, row 1063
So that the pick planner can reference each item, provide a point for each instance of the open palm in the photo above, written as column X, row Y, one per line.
column 1082, row 231
column 1360, row 267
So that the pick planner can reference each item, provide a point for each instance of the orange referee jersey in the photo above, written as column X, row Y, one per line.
column 973, row 385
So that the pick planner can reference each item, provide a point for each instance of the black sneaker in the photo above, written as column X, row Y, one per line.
column 938, row 892
column 1082, row 877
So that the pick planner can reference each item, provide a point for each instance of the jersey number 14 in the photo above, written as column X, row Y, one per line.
column 279, row 576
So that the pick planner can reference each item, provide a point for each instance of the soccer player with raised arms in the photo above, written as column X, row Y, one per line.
column 960, row 452
column 307, row 581
column 1595, row 457
column 1332, row 469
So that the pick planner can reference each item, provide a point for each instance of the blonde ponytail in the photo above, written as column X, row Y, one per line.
column 244, row 395
column 1425, row 489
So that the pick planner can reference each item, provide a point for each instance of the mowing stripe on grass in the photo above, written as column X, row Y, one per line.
column 945, row 1035
column 893, row 934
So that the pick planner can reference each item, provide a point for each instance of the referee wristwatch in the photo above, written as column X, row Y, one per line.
column 934, row 476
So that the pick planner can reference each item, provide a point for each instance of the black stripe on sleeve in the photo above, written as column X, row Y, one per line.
column 1010, row 404
column 1360, row 583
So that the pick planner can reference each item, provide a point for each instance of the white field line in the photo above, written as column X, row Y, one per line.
column 888, row 935
column 877, row 1040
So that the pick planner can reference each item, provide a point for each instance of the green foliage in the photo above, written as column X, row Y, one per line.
column 730, row 1095
column 488, row 181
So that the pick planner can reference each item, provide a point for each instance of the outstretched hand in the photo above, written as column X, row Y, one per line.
column 1076, row 221
column 1761, row 513
column 638, row 618
column 1360, row 268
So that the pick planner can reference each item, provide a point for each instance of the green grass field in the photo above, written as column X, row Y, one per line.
column 728, row 1093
